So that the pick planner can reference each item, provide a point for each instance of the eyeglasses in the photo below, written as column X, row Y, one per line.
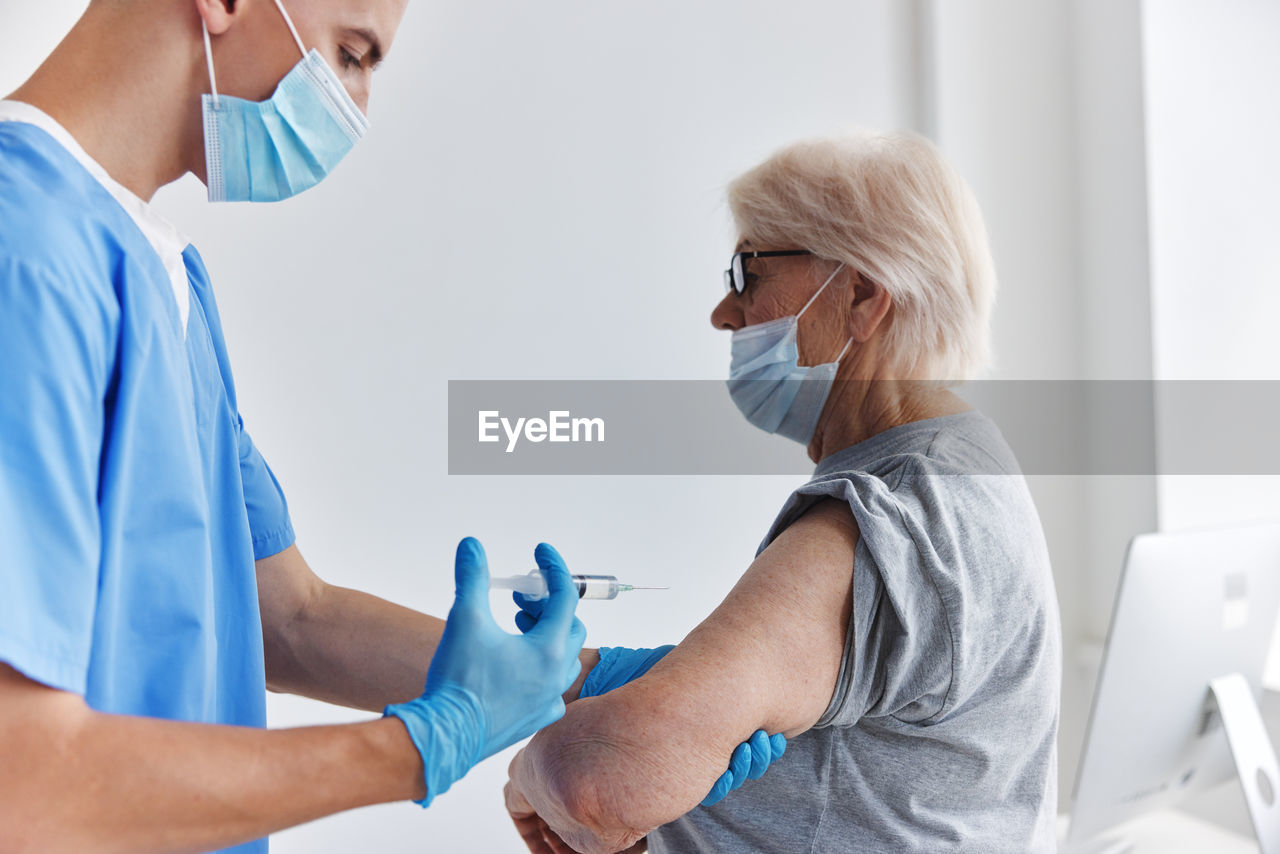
column 735, row 278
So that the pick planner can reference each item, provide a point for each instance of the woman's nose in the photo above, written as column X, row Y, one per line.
column 728, row 314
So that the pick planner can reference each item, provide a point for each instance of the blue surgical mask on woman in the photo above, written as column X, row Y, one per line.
column 266, row 151
column 769, row 385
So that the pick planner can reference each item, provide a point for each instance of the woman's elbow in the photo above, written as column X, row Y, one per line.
column 591, row 813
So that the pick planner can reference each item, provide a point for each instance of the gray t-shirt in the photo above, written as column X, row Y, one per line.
column 941, row 733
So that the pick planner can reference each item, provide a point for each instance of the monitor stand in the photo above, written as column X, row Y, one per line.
column 1255, row 758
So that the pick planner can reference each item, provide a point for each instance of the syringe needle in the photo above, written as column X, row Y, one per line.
column 633, row 587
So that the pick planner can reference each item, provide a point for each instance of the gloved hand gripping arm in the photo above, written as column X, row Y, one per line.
column 487, row 689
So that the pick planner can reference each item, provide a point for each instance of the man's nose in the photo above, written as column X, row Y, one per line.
column 359, row 93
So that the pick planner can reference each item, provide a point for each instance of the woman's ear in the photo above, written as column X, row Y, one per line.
column 871, row 304
column 218, row 15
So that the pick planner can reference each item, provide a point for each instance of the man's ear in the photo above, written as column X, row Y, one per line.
column 218, row 15
column 871, row 304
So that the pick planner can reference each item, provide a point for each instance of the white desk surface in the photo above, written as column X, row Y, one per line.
column 1173, row 832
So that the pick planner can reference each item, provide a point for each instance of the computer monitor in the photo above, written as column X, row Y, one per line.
column 1189, row 637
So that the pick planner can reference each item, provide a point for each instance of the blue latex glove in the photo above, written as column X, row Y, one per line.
column 487, row 689
column 749, row 762
column 620, row 665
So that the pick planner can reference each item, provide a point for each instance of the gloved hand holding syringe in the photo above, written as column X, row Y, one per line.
column 534, row 587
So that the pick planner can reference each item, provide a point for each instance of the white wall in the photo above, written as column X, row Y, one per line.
column 1213, row 132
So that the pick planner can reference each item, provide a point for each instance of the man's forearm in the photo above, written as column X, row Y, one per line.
column 90, row 782
column 352, row 649
column 356, row 650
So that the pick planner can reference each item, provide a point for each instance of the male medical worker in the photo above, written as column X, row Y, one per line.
column 150, row 587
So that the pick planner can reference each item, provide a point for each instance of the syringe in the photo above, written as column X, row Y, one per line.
column 533, row 586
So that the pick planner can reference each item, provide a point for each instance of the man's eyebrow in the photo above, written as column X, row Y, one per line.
column 371, row 38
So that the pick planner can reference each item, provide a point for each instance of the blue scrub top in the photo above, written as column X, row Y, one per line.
column 132, row 501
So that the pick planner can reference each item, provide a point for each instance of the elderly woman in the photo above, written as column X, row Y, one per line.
column 898, row 623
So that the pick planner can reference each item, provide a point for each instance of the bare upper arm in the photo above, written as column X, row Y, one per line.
column 37, row 723
column 286, row 586
column 778, row 637
column 20, row 696
column 767, row 658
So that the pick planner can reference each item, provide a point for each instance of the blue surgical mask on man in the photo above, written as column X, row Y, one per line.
column 767, row 382
column 266, row 151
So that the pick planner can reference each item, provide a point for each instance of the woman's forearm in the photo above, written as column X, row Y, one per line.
column 608, row 772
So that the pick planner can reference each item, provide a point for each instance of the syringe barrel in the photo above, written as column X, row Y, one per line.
column 534, row 586
column 596, row 586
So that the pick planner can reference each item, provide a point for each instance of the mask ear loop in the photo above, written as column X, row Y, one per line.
column 813, row 298
column 208, row 49
column 208, row 55
column 292, row 28
column 847, row 345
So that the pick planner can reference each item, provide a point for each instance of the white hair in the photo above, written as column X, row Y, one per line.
column 889, row 207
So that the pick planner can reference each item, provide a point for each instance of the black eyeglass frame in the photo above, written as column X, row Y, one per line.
column 735, row 278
